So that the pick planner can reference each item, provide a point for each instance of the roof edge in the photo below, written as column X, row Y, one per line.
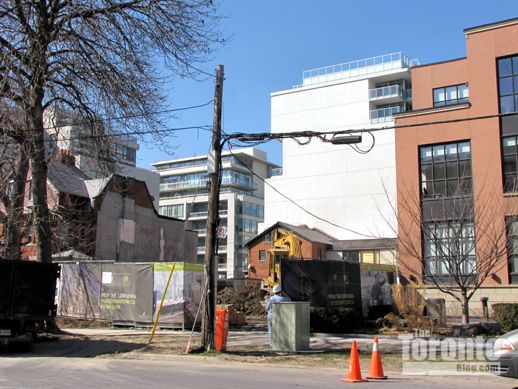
column 490, row 26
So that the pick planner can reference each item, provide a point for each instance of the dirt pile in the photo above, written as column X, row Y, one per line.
column 246, row 300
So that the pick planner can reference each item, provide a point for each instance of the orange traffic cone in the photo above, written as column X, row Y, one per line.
column 355, row 373
column 376, row 370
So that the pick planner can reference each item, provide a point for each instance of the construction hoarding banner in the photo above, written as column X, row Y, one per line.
column 130, row 292
column 79, row 290
column 323, row 283
column 184, row 293
column 127, row 292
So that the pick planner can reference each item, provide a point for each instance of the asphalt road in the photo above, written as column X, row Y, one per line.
column 45, row 373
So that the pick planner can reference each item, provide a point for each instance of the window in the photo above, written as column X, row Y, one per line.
column 319, row 253
column 508, row 84
column 450, row 95
column 249, row 226
column 510, row 163
column 268, row 237
column 369, row 256
column 445, row 170
column 262, row 255
column 175, row 210
column 351, row 256
column 512, row 248
column 251, row 209
column 449, row 248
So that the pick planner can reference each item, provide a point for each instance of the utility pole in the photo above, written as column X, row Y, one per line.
column 214, row 162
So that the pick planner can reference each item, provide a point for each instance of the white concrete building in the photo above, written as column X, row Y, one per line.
column 336, row 182
column 183, row 194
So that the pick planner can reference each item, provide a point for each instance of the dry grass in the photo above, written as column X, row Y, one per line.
column 407, row 300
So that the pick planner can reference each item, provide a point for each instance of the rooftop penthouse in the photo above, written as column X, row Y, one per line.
column 355, row 70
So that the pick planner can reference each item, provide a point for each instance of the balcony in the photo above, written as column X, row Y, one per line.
column 276, row 172
column 356, row 69
column 201, row 231
column 204, row 214
column 389, row 94
column 383, row 115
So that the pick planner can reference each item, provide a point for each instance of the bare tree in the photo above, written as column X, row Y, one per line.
column 453, row 243
column 14, row 166
column 98, row 59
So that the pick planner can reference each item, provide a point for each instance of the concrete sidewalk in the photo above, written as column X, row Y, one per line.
column 257, row 339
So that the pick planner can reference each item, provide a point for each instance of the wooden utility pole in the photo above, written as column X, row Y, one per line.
column 214, row 162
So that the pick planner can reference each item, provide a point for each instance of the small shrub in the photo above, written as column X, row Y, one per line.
column 390, row 320
column 417, row 322
column 507, row 315
column 408, row 300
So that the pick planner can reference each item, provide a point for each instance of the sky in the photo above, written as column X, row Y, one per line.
column 273, row 41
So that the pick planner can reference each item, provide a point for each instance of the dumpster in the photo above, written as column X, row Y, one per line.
column 222, row 321
column 290, row 326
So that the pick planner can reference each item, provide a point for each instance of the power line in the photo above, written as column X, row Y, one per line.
column 267, row 136
column 121, row 134
column 131, row 116
column 298, row 205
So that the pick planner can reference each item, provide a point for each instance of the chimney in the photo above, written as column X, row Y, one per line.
column 66, row 157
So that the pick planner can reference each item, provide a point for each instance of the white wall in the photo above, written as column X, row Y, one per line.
column 332, row 181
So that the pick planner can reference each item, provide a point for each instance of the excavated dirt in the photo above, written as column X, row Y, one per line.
column 246, row 300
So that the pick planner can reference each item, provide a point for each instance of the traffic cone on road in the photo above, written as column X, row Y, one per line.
column 376, row 370
column 355, row 373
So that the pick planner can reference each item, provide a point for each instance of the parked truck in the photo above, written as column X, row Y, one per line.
column 27, row 299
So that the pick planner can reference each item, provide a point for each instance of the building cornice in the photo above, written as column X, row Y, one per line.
column 428, row 111
column 491, row 26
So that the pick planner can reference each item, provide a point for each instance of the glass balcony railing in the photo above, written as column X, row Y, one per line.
column 246, row 184
column 386, row 92
column 384, row 114
column 222, row 212
column 359, row 68
column 276, row 172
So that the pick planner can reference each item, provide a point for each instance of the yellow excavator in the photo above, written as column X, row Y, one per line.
column 285, row 245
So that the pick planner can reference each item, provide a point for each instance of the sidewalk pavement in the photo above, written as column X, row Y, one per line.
column 257, row 340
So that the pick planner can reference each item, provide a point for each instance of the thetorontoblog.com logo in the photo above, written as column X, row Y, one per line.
column 448, row 356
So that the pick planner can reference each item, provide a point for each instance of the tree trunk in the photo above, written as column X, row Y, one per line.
column 465, row 308
column 15, row 213
column 39, row 170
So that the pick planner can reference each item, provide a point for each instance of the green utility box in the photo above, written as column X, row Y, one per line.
column 290, row 326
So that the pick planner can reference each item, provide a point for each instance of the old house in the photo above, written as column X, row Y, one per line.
column 111, row 219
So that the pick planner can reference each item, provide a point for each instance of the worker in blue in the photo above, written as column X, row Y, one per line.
column 276, row 298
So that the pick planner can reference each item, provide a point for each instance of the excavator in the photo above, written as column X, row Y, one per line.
column 285, row 245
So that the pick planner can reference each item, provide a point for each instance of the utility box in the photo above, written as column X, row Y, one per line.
column 290, row 326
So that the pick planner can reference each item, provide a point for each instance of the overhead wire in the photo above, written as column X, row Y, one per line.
column 124, row 117
column 297, row 204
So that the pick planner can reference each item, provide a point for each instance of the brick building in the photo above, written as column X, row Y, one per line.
column 314, row 244
column 465, row 158
column 111, row 218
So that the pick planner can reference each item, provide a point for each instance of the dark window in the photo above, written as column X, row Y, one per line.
column 450, row 95
column 510, row 163
column 512, row 248
column 445, row 170
column 449, row 248
column 319, row 253
column 508, row 84
column 268, row 236
column 262, row 255
column 351, row 256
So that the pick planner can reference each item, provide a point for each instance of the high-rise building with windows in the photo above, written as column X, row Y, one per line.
column 184, row 195
column 457, row 167
column 346, row 186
